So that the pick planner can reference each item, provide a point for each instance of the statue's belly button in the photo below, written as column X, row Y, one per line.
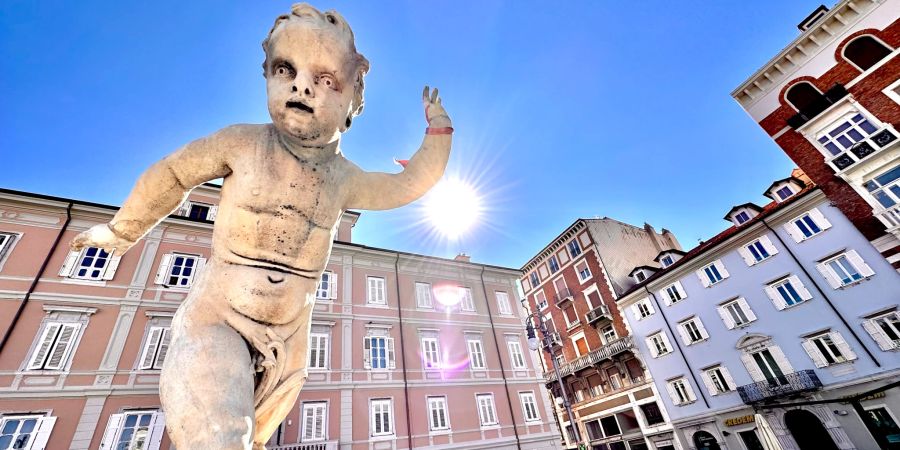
column 275, row 279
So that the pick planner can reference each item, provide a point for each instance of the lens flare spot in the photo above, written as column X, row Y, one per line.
column 452, row 207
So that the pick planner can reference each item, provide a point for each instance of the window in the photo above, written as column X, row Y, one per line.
column 609, row 334
column 639, row 276
column 529, row 405
column 571, row 317
column 515, row 355
column 615, row 378
column 849, row 131
column 25, row 431
column 865, row 51
column 6, row 244
column 667, row 261
column 884, row 422
column 580, row 343
column 802, row 95
column 382, row 422
column 486, row 409
column 437, row 414
column 673, row 293
column 178, row 270
column 314, row 414
column 652, row 413
column 787, row 292
column 828, row 348
column 658, row 344
column 378, row 352
column 155, row 348
column 844, row 269
column 55, row 346
column 768, row 364
column 741, row 217
column 431, row 355
column 574, row 248
column 712, row 273
column 692, row 331
column 134, row 430
column 807, row 225
column 326, row 289
column 503, row 302
column 584, row 272
column 553, row 264
column 736, row 313
column 541, row 300
column 90, row 263
column 680, row 391
column 642, row 308
column 466, row 302
column 885, row 329
column 318, row 351
column 757, row 251
column 784, row 193
column 198, row 211
column 885, row 188
column 423, row 295
column 718, row 380
column 377, row 294
column 476, row 354
column 534, row 279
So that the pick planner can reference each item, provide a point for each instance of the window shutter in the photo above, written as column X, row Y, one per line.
column 702, row 329
column 69, row 265
column 308, row 423
column 112, row 429
column 795, row 232
column 674, row 395
column 42, row 433
column 727, row 375
column 843, row 346
column 882, row 339
column 652, row 347
column 157, row 424
column 684, row 334
column 814, row 353
column 183, row 209
column 801, row 289
column 333, row 286
column 373, row 292
column 704, row 280
column 721, row 268
column 820, row 219
column 754, row 371
column 392, row 363
column 60, row 353
column 710, row 386
column 111, row 267
column 649, row 305
column 748, row 258
column 666, row 341
column 43, row 347
column 689, row 390
column 163, row 348
column 201, row 264
column 860, row 265
column 767, row 244
column 319, row 431
column 636, row 312
column 726, row 317
column 746, row 308
column 367, row 352
column 162, row 274
column 780, row 359
column 776, row 298
column 826, row 272
column 662, row 293
column 150, row 347
column 211, row 215
column 680, row 290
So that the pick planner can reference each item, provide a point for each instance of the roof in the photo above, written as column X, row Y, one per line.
column 671, row 250
column 748, row 205
column 768, row 192
column 714, row 241
column 642, row 268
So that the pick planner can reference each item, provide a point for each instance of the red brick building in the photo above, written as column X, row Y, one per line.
column 831, row 101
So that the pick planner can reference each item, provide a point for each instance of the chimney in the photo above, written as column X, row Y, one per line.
column 462, row 257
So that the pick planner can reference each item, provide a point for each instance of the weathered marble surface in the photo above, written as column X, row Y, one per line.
column 285, row 187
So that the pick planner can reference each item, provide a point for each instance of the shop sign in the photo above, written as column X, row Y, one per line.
column 734, row 421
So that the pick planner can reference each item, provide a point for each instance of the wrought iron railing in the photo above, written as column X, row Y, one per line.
column 607, row 351
column 563, row 295
column 598, row 313
column 876, row 142
column 785, row 385
column 830, row 97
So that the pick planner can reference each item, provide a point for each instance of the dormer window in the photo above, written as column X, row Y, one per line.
column 782, row 190
column 642, row 273
column 742, row 214
column 666, row 261
column 668, row 257
column 741, row 217
column 640, row 276
column 784, row 193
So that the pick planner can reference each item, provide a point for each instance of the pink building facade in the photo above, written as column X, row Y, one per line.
column 406, row 351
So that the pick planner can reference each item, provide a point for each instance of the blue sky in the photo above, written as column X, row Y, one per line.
column 618, row 109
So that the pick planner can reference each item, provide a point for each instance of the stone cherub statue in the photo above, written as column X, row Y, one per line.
column 238, row 353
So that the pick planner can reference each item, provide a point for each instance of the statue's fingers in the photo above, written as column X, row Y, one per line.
column 434, row 95
column 425, row 94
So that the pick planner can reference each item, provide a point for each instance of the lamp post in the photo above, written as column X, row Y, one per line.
column 545, row 346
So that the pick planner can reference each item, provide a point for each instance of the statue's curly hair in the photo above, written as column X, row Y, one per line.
column 359, row 63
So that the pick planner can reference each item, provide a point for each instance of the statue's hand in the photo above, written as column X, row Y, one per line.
column 435, row 113
column 101, row 236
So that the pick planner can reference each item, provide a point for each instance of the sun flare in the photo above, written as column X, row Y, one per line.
column 452, row 207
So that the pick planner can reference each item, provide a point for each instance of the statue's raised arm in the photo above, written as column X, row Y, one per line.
column 378, row 190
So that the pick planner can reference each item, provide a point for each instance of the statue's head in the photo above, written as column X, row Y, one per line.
column 314, row 75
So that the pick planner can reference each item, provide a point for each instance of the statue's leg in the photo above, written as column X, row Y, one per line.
column 206, row 387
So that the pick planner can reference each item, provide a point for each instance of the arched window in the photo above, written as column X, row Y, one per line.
column 865, row 51
column 802, row 95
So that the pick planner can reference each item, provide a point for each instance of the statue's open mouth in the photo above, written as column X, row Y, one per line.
column 300, row 105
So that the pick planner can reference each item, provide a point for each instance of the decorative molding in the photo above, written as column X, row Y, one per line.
column 69, row 309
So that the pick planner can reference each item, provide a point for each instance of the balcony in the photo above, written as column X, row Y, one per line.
column 830, row 97
column 555, row 339
column 542, row 305
column 330, row 445
column 614, row 348
column 564, row 295
column 784, row 386
column 878, row 141
column 890, row 217
column 599, row 316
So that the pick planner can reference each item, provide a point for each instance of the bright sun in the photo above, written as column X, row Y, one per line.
column 453, row 207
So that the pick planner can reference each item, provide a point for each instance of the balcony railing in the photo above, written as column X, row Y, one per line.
column 830, row 97
column 563, row 295
column 555, row 338
column 890, row 217
column 876, row 142
column 785, row 385
column 607, row 351
column 542, row 305
column 331, row 445
column 599, row 315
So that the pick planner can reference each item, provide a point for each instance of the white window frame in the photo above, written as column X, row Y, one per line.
column 73, row 264
column 671, row 291
column 314, row 414
column 845, row 118
column 319, row 351
column 529, row 406
column 466, row 301
column 431, row 353
column 54, row 346
column 779, row 292
column 718, row 380
column 516, row 355
column 389, row 354
column 642, row 309
column 607, row 338
column 728, row 317
column 667, row 260
column 706, row 273
column 40, row 431
column 487, row 411
column 577, row 245
column 880, row 325
column 757, row 251
column 831, row 345
column 756, row 372
column 424, row 297
column 581, row 276
column 384, row 407
column 376, row 292
column 555, row 260
column 8, row 241
column 326, row 288
column 836, row 280
column 437, row 412
column 503, row 302
column 542, row 305
column 680, row 391
column 659, row 344
column 156, row 346
column 793, row 226
column 164, row 273
column 688, row 328
column 476, row 354
column 116, row 425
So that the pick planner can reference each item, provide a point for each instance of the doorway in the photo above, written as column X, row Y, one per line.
column 703, row 440
column 808, row 430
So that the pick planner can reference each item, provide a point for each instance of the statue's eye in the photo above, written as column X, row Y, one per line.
column 327, row 81
column 283, row 70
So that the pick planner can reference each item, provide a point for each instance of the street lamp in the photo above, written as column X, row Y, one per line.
column 533, row 344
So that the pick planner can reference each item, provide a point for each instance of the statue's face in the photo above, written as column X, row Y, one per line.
column 309, row 78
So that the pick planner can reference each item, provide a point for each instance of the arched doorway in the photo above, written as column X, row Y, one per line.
column 705, row 441
column 808, row 430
